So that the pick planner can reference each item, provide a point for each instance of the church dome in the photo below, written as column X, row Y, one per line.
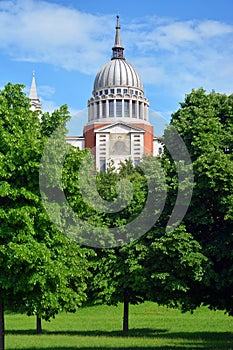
column 118, row 72
column 118, row 90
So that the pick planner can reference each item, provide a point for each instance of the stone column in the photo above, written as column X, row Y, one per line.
column 130, row 108
column 107, row 108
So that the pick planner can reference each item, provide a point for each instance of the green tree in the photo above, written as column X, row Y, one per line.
column 157, row 265
column 205, row 122
column 115, row 270
column 42, row 272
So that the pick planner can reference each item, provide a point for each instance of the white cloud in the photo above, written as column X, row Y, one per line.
column 170, row 34
column 39, row 31
column 48, row 105
column 171, row 54
column 179, row 56
column 213, row 29
column 46, row 91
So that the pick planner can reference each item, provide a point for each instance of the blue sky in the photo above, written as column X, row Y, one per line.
column 175, row 45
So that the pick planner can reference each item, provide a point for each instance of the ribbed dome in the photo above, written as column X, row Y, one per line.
column 118, row 92
column 117, row 72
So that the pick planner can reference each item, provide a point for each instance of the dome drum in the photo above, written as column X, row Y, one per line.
column 118, row 90
column 111, row 107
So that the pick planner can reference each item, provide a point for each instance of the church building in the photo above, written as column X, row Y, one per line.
column 118, row 124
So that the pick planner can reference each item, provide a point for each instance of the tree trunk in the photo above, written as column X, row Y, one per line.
column 126, row 312
column 2, row 330
column 38, row 325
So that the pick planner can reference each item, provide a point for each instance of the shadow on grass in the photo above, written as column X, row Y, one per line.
column 139, row 332
column 193, row 341
column 188, row 346
column 127, row 348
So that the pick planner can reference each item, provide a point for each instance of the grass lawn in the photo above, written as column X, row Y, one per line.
column 99, row 327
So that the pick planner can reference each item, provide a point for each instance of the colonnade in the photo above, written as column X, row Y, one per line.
column 115, row 108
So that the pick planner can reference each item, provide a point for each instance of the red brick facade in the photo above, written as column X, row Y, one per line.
column 89, row 135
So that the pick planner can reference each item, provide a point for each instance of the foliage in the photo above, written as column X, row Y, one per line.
column 174, row 262
column 205, row 122
column 42, row 271
column 160, row 266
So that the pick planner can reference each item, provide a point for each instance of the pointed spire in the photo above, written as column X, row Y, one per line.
column 33, row 90
column 35, row 102
column 118, row 48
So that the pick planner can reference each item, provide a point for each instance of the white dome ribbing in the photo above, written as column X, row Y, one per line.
column 118, row 90
column 118, row 72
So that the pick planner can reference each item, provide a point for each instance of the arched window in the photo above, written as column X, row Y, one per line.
column 97, row 110
column 134, row 109
column 104, row 109
column 126, row 108
column 118, row 108
column 111, row 108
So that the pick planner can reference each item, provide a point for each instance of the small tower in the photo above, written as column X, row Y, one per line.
column 34, row 100
column 118, row 49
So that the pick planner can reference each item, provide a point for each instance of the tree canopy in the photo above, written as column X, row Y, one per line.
column 161, row 231
column 160, row 266
column 205, row 123
column 42, row 271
